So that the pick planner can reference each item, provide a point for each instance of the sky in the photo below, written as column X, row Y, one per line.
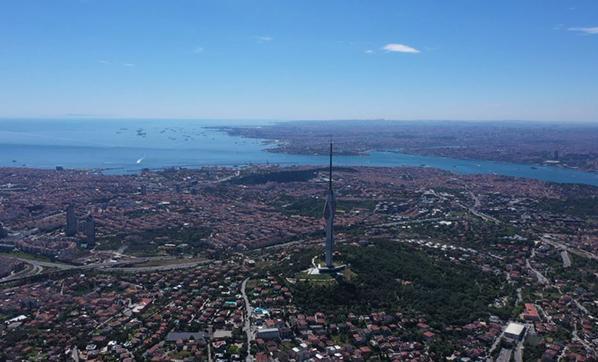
column 305, row 59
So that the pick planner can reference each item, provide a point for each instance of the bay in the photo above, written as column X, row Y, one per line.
column 128, row 146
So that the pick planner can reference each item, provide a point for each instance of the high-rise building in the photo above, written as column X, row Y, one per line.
column 3, row 232
column 71, row 221
column 329, row 212
column 88, row 227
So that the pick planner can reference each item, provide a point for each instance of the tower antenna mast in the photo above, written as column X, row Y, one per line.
column 330, row 168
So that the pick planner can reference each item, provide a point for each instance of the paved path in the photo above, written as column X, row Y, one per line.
column 248, row 331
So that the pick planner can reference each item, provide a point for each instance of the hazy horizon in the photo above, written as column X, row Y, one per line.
column 290, row 120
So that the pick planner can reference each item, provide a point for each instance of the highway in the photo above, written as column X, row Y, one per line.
column 28, row 271
column 480, row 214
column 473, row 210
column 39, row 267
column 586, row 254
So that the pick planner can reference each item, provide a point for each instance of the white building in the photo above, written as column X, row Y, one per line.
column 514, row 331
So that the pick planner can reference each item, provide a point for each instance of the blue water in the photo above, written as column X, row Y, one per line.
column 127, row 146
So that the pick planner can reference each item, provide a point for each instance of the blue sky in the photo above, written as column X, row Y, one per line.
column 418, row 59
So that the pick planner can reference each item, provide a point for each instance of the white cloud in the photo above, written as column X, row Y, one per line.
column 589, row 30
column 399, row 48
column 198, row 50
column 128, row 64
column 263, row 38
column 369, row 51
column 103, row 61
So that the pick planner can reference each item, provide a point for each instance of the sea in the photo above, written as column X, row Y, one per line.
column 125, row 146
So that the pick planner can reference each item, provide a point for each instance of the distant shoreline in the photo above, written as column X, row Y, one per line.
column 522, row 143
column 117, row 148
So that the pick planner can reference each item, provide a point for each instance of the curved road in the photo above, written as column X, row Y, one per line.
column 39, row 266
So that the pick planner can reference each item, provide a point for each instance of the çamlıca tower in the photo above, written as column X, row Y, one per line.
column 329, row 211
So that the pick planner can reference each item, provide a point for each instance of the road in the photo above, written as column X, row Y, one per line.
column 476, row 206
column 228, row 178
column 160, row 267
column 519, row 297
column 583, row 309
column 406, row 222
column 46, row 264
column 504, row 355
column 566, row 259
column 479, row 214
column 580, row 340
column 34, row 267
column 546, row 238
column 28, row 271
column 476, row 200
column 546, row 316
column 473, row 210
column 39, row 266
column 541, row 278
column 496, row 342
column 248, row 310
column 518, row 355
column 75, row 354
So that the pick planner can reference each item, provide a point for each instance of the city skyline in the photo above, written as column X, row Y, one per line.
column 509, row 60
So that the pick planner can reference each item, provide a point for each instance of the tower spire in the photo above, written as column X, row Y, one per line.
column 330, row 168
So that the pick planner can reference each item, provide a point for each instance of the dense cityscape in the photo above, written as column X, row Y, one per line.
column 222, row 264
column 568, row 146
column 299, row 181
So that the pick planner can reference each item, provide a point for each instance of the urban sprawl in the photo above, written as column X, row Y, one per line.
column 228, row 264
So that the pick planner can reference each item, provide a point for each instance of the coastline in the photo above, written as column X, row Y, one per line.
column 287, row 146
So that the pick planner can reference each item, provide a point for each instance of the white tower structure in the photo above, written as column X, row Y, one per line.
column 329, row 211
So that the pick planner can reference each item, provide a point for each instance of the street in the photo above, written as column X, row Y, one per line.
column 247, row 328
